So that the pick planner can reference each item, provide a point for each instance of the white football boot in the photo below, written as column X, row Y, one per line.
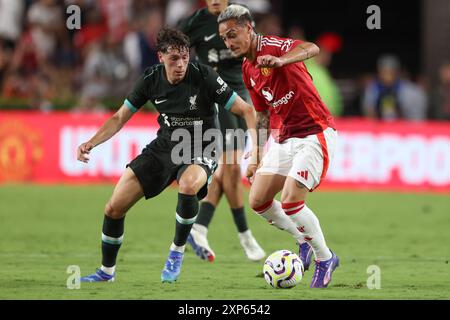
column 199, row 243
column 252, row 249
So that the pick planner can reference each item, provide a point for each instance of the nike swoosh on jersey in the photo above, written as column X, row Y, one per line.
column 160, row 101
column 207, row 38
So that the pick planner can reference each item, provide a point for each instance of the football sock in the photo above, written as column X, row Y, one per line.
column 274, row 214
column 187, row 209
column 239, row 219
column 205, row 214
column 107, row 270
column 112, row 237
column 307, row 222
column 174, row 247
column 200, row 228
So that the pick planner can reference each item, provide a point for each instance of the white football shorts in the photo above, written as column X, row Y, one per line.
column 304, row 159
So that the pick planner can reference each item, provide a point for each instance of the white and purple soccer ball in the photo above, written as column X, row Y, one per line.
column 283, row 269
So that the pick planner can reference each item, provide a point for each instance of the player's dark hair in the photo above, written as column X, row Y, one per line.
column 171, row 38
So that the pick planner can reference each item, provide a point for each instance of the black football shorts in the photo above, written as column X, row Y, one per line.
column 155, row 170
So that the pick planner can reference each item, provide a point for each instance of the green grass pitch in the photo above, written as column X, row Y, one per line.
column 44, row 229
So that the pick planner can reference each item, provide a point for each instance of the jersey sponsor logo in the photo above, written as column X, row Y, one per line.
column 223, row 84
column 193, row 102
column 266, row 72
column 267, row 93
column 166, row 119
column 160, row 101
column 182, row 121
column 213, row 56
column 207, row 38
column 283, row 100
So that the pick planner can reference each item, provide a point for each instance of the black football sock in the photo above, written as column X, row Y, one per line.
column 239, row 219
column 205, row 214
column 112, row 236
column 187, row 209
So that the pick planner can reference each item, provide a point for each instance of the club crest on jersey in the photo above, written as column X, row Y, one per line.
column 267, row 93
column 193, row 102
column 266, row 71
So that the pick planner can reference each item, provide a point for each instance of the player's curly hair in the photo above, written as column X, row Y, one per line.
column 171, row 38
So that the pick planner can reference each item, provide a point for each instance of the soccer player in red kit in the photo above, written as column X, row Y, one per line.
column 303, row 130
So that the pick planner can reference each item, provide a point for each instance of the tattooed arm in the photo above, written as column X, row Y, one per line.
column 262, row 133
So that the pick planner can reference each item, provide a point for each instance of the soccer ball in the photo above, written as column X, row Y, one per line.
column 283, row 269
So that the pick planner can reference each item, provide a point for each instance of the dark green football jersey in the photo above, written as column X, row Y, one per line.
column 188, row 104
column 203, row 30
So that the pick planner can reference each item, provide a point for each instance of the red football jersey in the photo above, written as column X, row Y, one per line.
column 296, row 109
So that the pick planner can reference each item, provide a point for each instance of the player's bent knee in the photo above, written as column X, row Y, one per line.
column 295, row 192
column 113, row 212
column 257, row 202
column 188, row 186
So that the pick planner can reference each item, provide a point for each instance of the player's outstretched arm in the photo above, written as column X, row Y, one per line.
column 106, row 131
column 301, row 52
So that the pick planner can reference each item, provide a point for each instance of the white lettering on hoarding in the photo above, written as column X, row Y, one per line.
column 360, row 157
column 371, row 158
column 108, row 159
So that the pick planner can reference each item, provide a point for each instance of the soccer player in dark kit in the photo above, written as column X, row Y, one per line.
column 185, row 95
column 202, row 29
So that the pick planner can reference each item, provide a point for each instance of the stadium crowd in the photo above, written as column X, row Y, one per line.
column 44, row 65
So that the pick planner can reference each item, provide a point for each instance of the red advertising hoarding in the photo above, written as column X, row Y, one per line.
column 41, row 148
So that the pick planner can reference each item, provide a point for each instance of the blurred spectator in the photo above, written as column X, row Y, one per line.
column 94, row 26
column 140, row 44
column 42, row 63
column 389, row 97
column 11, row 13
column 45, row 19
column 257, row 7
column 357, row 90
column 105, row 71
column 117, row 14
column 329, row 43
column 269, row 24
column 441, row 96
column 179, row 9
column 296, row 32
